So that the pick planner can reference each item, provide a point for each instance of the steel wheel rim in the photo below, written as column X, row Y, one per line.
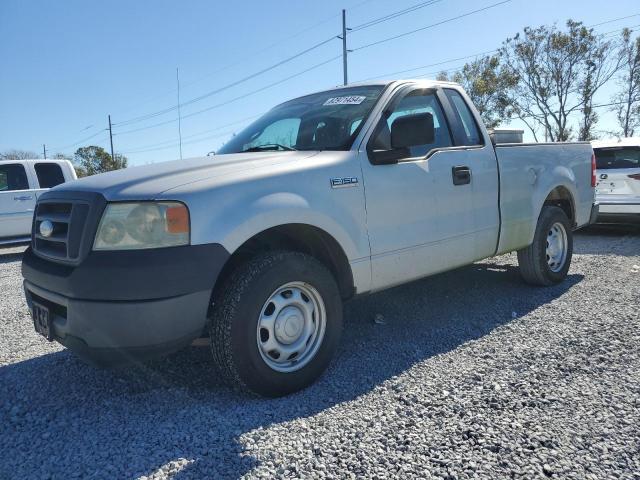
column 557, row 246
column 291, row 327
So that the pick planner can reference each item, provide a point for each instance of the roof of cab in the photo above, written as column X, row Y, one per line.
column 34, row 160
column 617, row 142
column 383, row 83
column 389, row 82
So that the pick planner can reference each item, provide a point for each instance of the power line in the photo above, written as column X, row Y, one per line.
column 245, row 58
column 147, row 127
column 184, row 143
column 428, row 66
column 203, row 132
column 442, row 22
column 297, row 34
column 228, row 86
column 80, row 141
column 619, row 30
column 241, row 97
column 483, row 53
column 448, row 70
column 614, row 20
column 393, row 15
column 197, row 99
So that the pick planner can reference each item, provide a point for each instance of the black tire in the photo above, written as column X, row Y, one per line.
column 534, row 267
column 234, row 320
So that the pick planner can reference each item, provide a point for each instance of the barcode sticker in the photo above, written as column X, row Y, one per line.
column 348, row 100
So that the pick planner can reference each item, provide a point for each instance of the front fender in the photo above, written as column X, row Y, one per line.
column 287, row 208
column 232, row 216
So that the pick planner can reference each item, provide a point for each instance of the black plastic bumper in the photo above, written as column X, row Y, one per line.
column 128, row 305
column 595, row 209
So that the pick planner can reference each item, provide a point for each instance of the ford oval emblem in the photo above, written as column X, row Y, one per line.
column 46, row 228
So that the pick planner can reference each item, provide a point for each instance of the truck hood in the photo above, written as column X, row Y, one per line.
column 149, row 181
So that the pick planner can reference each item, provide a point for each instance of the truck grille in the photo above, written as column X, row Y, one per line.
column 68, row 219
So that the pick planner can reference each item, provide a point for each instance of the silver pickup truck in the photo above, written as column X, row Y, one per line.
column 335, row 194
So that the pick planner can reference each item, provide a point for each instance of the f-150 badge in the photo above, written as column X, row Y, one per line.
column 344, row 182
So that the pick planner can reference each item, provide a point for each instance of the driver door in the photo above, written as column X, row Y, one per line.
column 419, row 210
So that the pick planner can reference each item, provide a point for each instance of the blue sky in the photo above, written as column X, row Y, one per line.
column 66, row 65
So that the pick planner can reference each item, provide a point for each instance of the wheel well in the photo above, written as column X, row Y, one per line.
column 301, row 238
column 561, row 197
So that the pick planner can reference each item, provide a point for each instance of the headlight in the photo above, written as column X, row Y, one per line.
column 131, row 226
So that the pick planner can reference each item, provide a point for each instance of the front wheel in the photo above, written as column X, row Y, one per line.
column 546, row 261
column 276, row 323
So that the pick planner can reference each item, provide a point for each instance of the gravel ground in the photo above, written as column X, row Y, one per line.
column 471, row 374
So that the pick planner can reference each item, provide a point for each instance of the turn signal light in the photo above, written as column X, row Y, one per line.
column 593, row 169
column 177, row 219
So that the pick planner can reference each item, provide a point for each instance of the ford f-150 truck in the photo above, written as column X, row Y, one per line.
column 331, row 195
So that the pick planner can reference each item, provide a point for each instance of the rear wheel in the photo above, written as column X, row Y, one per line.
column 546, row 261
column 276, row 323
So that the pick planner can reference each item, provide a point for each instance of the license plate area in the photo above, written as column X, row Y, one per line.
column 42, row 320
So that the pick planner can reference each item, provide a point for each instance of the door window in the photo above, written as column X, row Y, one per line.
column 471, row 130
column 13, row 177
column 49, row 174
column 415, row 102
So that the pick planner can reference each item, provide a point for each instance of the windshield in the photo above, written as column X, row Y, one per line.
column 323, row 121
column 618, row 157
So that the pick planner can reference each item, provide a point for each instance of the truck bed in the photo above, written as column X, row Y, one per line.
column 528, row 172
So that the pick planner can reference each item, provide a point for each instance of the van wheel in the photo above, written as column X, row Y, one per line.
column 546, row 261
column 276, row 323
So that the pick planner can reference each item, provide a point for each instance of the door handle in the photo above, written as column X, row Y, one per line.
column 23, row 198
column 461, row 175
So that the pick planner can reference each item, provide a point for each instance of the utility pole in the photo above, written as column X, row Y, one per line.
column 44, row 151
column 344, row 45
column 179, row 119
column 113, row 158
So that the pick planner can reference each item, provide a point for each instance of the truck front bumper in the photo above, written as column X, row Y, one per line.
column 127, row 306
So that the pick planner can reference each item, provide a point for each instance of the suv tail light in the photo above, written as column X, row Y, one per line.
column 593, row 169
column 635, row 176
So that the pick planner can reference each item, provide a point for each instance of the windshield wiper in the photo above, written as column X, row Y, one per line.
column 267, row 147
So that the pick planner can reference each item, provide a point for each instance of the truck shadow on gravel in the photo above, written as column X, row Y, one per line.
column 63, row 417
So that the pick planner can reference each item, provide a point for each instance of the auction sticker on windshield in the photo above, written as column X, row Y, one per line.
column 348, row 100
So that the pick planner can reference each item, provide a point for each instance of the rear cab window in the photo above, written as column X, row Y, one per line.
column 49, row 174
column 617, row 157
column 13, row 177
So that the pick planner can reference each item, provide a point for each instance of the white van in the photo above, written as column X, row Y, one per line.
column 21, row 183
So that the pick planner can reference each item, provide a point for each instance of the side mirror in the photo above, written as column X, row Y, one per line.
column 412, row 130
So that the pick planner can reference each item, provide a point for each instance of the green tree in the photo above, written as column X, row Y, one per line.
column 94, row 160
column 80, row 171
column 559, row 73
column 488, row 86
column 628, row 98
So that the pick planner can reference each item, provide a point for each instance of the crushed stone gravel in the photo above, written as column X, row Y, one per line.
column 471, row 374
